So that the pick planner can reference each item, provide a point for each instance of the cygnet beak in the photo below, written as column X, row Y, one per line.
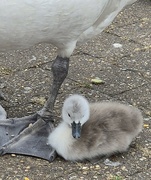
column 76, row 130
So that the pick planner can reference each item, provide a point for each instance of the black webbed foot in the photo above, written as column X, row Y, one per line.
column 10, row 128
column 32, row 141
column 26, row 136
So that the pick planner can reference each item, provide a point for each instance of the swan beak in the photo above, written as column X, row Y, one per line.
column 76, row 130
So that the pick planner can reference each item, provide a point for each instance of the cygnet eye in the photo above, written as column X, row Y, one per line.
column 69, row 115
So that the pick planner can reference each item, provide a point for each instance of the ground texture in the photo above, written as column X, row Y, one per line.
column 121, row 58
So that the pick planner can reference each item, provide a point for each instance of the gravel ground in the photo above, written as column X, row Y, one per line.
column 120, row 57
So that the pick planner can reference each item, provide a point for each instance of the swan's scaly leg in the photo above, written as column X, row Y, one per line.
column 33, row 140
column 60, row 71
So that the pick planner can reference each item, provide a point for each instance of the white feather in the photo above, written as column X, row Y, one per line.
column 63, row 23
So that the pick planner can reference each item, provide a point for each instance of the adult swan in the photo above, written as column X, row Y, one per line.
column 63, row 23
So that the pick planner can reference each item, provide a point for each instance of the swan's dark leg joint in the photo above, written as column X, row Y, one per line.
column 60, row 69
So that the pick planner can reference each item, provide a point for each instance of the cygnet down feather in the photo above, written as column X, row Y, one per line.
column 91, row 130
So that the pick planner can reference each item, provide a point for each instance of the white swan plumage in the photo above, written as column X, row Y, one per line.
column 106, row 128
column 61, row 23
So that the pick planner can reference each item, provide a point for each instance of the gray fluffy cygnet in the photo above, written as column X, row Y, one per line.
column 91, row 130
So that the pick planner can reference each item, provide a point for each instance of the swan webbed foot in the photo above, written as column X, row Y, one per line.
column 29, row 139
column 10, row 128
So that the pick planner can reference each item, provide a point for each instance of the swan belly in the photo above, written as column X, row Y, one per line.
column 112, row 8
column 28, row 22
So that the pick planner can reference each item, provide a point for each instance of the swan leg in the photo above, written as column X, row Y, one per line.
column 33, row 139
column 60, row 70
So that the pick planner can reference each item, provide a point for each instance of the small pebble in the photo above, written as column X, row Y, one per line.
column 95, row 177
column 13, row 155
column 124, row 168
column 28, row 167
column 117, row 45
column 85, row 168
column 85, row 172
column 142, row 159
column 97, row 167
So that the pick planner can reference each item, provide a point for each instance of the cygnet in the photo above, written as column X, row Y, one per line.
column 96, row 129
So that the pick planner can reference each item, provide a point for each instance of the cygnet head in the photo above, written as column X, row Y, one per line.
column 75, row 113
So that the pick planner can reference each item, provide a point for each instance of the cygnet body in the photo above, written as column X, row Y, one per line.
column 91, row 130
